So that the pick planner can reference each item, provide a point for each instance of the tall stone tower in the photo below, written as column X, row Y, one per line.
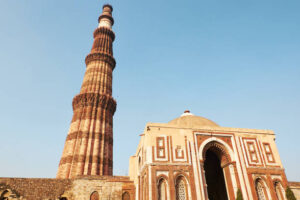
column 88, row 148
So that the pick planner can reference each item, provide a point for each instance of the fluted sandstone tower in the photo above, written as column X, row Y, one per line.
column 88, row 148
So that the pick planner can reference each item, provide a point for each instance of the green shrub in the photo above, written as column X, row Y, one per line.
column 290, row 194
column 239, row 195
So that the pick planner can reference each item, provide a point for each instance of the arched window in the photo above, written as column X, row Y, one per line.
column 125, row 196
column 94, row 196
column 180, row 188
column 278, row 190
column 162, row 189
column 260, row 189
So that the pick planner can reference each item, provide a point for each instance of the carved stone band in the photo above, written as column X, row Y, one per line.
column 95, row 100
column 106, row 16
column 88, row 135
column 101, row 56
column 104, row 31
column 82, row 158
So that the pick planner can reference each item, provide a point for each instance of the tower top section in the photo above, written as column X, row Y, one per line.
column 105, row 19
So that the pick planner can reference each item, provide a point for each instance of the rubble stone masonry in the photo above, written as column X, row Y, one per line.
column 81, row 188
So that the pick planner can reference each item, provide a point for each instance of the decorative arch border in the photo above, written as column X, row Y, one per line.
column 228, row 151
column 187, row 183
column 162, row 176
column 276, row 181
column 65, row 195
column 96, row 193
column 166, row 179
column 227, row 158
column 124, row 193
column 266, row 189
column 219, row 150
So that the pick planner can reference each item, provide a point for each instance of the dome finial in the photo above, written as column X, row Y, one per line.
column 186, row 113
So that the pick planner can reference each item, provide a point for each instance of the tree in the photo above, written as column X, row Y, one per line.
column 239, row 195
column 290, row 194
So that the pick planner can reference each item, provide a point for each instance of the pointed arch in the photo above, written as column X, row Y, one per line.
column 94, row 196
column 181, row 188
column 220, row 150
column 279, row 190
column 125, row 196
column 163, row 188
column 214, row 172
column 225, row 147
column 260, row 189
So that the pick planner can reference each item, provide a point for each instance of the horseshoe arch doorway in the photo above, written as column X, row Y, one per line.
column 214, row 158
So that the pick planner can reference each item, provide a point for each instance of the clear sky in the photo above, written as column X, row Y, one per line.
column 234, row 62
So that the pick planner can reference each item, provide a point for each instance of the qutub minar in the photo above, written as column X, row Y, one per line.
column 89, row 145
column 188, row 158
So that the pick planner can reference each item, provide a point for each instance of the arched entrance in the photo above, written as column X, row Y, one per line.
column 162, row 189
column 125, row 196
column 94, row 196
column 181, row 188
column 278, row 190
column 215, row 158
column 260, row 189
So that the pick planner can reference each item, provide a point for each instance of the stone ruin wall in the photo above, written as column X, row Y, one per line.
column 110, row 188
column 34, row 188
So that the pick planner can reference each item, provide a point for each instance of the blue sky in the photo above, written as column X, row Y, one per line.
column 234, row 62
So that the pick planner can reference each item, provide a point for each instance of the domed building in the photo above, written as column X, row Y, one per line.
column 192, row 157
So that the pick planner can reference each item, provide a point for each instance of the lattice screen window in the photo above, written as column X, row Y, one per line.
column 180, row 189
column 269, row 153
column 160, row 147
column 260, row 191
column 278, row 190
